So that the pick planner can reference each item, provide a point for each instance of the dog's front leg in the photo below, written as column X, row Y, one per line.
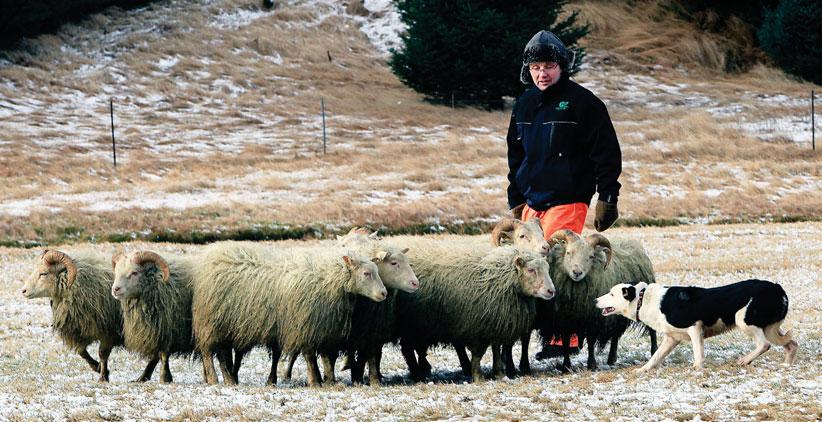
column 697, row 337
column 667, row 345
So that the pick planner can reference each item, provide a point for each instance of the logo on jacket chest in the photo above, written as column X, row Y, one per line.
column 563, row 105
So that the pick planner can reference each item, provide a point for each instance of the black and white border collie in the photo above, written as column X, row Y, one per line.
column 756, row 307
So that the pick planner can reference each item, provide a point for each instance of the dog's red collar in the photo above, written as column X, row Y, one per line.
column 639, row 303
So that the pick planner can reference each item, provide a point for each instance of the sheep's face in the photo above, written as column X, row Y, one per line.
column 133, row 273
column 127, row 278
column 44, row 280
column 365, row 278
column 620, row 300
column 395, row 271
column 577, row 257
column 535, row 278
column 529, row 236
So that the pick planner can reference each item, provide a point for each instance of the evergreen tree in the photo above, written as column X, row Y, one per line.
column 791, row 34
column 472, row 49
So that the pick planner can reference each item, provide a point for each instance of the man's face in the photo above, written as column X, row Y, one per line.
column 544, row 74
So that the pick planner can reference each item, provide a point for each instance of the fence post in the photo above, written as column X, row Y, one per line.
column 113, row 147
column 813, row 124
column 322, row 108
column 452, row 99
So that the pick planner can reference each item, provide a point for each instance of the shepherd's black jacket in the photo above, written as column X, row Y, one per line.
column 561, row 148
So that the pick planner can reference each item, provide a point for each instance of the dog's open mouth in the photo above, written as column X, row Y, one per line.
column 608, row 311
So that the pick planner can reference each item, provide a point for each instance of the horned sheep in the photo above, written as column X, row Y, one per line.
column 83, row 311
column 155, row 294
column 584, row 269
column 297, row 299
column 469, row 295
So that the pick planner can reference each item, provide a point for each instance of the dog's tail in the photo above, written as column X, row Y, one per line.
column 774, row 334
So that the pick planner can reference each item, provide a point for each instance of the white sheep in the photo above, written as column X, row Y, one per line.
column 289, row 300
column 156, row 300
column 471, row 295
column 584, row 269
column 83, row 311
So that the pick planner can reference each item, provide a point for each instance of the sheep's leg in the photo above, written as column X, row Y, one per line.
column 410, row 360
column 652, row 334
column 524, row 361
column 496, row 359
column 209, row 374
column 165, row 371
column 424, row 365
column 95, row 366
column 592, row 354
column 329, row 359
column 104, row 352
column 612, row 351
column 465, row 362
column 149, row 370
column 476, row 357
column 290, row 369
column 314, row 378
column 378, row 359
column 348, row 360
column 566, row 352
column 357, row 367
column 275, row 361
column 238, row 360
column 226, row 365
column 508, row 359
column 374, row 376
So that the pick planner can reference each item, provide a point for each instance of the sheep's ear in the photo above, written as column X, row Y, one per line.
column 519, row 262
column 629, row 293
column 404, row 251
column 381, row 256
column 348, row 261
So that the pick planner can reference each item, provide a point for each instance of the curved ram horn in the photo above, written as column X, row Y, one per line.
column 147, row 256
column 52, row 257
column 505, row 225
column 598, row 240
column 563, row 236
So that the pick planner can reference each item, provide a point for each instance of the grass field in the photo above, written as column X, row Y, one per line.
column 40, row 380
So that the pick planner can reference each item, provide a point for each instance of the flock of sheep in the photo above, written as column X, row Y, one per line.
column 346, row 298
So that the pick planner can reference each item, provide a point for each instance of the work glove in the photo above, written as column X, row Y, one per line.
column 606, row 214
column 517, row 211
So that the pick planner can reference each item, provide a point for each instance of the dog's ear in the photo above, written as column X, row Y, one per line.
column 629, row 293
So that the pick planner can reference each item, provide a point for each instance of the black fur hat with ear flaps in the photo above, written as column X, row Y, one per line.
column 544, row 46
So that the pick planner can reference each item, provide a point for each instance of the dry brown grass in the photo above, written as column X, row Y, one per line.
column 239, row 109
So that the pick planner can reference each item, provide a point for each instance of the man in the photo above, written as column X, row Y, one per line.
column 561, row 147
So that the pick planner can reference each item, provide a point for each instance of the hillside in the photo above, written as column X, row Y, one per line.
column 218, row 126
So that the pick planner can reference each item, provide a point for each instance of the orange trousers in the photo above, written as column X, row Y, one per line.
column 568, row 216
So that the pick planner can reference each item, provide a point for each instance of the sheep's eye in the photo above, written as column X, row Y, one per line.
column 43, row 274
column 133, row 273
column 532, row 271
column 522, row 236
column 366, row 273
column 592, row 257
column 395, row 263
